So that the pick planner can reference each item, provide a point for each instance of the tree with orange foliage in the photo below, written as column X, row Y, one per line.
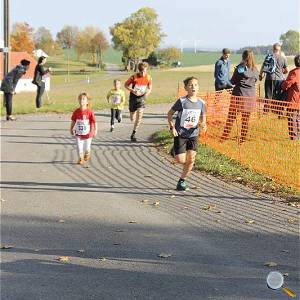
column 21, row 38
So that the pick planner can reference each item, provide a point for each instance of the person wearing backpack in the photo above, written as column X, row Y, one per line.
column 274, row 67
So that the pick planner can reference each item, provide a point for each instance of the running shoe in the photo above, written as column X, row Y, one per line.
column 80, row 161
column 181, row 186
column 87, row 156
column 133, row 138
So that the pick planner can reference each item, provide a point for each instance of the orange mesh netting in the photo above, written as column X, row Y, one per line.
column 261, row 134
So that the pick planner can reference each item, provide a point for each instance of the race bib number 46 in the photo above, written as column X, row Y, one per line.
column 190, row 118
column 82, row 127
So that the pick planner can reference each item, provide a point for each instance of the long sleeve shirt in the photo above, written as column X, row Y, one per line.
column 10, row 81
column 222, row 73
column 292, row 85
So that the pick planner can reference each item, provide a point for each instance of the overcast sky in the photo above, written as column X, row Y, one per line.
column 212, row 23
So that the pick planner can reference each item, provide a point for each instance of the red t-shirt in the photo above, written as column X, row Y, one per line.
column 83, row 122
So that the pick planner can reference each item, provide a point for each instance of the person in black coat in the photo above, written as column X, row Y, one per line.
column 39, row 72
column 9, row 83
column 244, row 78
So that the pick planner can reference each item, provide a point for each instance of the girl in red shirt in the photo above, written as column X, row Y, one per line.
column 83, row 127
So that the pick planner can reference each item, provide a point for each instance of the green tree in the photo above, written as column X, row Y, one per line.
column 99, row 44
column 138, row 35
column 83, row 41
column 43, row 40
column 169, row 55
column 91, row 40
column 290, row 42
column 67, row 37
column 21, row 38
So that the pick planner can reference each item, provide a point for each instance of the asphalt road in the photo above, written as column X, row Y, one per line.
column 52, row 207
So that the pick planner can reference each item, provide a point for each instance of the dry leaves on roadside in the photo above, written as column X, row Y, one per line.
column 145, row 201
column 172, row 196
column 249, row 221
column 102, row 259
column 270, row 264
column 6, row 247
column 294, row 204
column 148, row 176
column 63, row 258
column 80, row 251
column 164, row 255
column 156, row 203
column 132, row 222
column 209, row 207
column 61, row 221
column 292, row 220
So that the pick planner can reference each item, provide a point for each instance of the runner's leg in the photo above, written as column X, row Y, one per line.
column 79, row 143
column 138, row 119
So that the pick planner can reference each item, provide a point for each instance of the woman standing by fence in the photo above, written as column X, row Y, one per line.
column 244, row 95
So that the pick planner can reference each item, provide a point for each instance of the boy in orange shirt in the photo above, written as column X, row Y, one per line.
column 140, row 86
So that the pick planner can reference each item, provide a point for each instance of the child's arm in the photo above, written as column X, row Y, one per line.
column 149, row 90
column 108, row 96
column 95, row 126
column 202, row 121
column 171, row 123
column 72, row 127
column 123, row 99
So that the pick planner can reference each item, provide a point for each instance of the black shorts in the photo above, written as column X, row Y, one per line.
column 136, row 103
column 182, row 145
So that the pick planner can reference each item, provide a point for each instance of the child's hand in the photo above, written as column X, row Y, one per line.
column 95, row 133
column 72, row 132
column 204, row 128
column 174, row 132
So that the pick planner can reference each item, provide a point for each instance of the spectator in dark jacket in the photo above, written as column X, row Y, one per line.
column 9, row 84
column 292, row 86
column 274, row 79
column 222, row 71
column 244, row 94
column 38, row 80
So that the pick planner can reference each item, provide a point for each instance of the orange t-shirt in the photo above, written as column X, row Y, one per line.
column 140, row 83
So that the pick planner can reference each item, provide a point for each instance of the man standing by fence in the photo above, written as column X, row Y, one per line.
column 274, row 66
column 222, row 71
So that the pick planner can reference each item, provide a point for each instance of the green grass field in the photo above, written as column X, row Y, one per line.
column 62, row 96
column 213, row 162
column 188, row 59
column 64, row 91
column 65, row 86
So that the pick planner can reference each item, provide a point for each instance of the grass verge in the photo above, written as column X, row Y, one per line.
column 210, row 161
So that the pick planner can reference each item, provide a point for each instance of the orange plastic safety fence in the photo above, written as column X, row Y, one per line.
column 262, row 134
